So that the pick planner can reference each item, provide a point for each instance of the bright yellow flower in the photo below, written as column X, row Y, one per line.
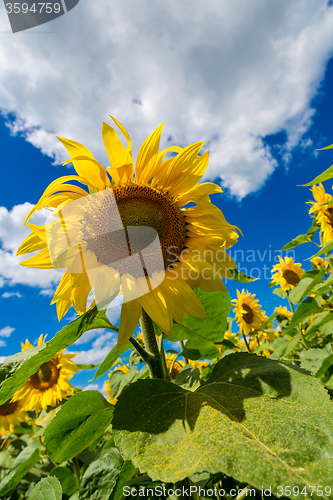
column 199, row 364
column 173, row 364
column 249, row 315
column 93, row 235
column 287, row 273
column 283, row 311
column 107, row 386
column 50, row 384
column 318, row 262
column 11, row 415
column 323, row 213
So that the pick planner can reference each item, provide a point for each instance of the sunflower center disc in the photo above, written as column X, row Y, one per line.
column 8, row 407
column 46, row 376
column 291, row 277
column 137, row 206
column 248, row 316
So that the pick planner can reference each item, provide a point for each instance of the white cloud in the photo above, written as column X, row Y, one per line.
column 12, row 234
column 6, row 331
column 2, row 343
column 8, row 295
column 227, row 73
column 92, row 387
column 101, row 346
column 2, row 359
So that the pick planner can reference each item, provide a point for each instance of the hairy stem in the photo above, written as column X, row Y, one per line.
column 153, row 360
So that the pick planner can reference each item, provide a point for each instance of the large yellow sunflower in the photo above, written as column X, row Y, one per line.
column 134, row 234
column 287, row 273
column 249, row 315
column 323, row 213
column 11, row 415
column 50, row 383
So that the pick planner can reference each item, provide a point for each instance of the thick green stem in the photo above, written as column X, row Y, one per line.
column 182, row 346
column 153, row 360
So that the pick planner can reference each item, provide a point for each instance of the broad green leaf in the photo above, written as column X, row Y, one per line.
column 13, row 373
column 327, row 363
column 67, row 479
column 101, row 476
column 326, row 248
column 312, row 359
column 48, row 488
column 28, row 457
column 306, row 284
column 202, row 332
column 200, row 349
column 307, row 308
column 119, row 380
column 241, row 277
column 314, row 227
column 299, row 240
column 259, row 421
column 127, row 472
column 322, row 319
column 325, row 286
column 111, row 360
column 189, row 377
column 279, row 292
column 327, row 174
column 77, row 424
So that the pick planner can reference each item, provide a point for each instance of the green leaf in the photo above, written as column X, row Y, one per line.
column 299, row 240
column 279, row 292
column 16, row 370
column 327, row 363
column 306, row 284
column 241, row 277
column 48, row 488
column 119, row 380
column 259, row 421
column 101, row 476
column 322, row 319
column 86, row 367
column 67, row 479
column 201, row 333
column 28, row 457
column 312, row 359
column 111, row 359
column 326, row 248
column 77, row 424
column 304, row 310
column 127, row 472
column 327, row 174
column 189, row 377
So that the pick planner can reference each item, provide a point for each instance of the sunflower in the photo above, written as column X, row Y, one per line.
column 50, row 383
column 133, row 234
column 107, row 386
column 317, row 262
column 249, row 315
column 174, row 364
column 283, row 311
column 287, row 273
column 199, row 364
column 11, row 415
column 323, row 213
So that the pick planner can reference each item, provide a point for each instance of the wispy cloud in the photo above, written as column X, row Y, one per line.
column 6, row 331
column 8, row 295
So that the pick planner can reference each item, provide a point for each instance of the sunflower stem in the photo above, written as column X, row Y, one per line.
column 182, row 346
column 246, row 342
column 304, row 342
column 154, row 360
column 162, row 354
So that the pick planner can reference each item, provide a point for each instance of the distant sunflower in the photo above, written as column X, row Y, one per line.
column 283, row 311
column 317, row 262
column 174, row 364
column 287, row 273
column 50, row 383
column 199, row 364
column 322, row 213
column 93, row 232
column 11, row 415
column 107, row 386
column 249, row 315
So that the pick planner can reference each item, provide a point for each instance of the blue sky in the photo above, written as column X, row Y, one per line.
column 257, row 90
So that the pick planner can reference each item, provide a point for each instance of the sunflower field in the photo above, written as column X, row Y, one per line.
column 210, row 397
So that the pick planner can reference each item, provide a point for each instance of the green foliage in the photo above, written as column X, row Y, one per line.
column 14, row 372
column 302, row 238
column 48, row 488
column 28, row 457
column 111, row 359
column 101, row 476
column 251, row 410
column 80, row 421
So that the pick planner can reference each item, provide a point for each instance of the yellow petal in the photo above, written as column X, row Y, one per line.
column 30, row 244
column 40, row 261
column 129, row 318
column 155, row 305
column 148, row 149
column 193, row 194
column 121, row 160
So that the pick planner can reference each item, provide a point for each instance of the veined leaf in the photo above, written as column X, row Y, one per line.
column 101, row 476
column 241, row 277
column 259, row 421
column 111, row 359
column 307, row 308
column 47, row 488
column 28, row 457
column 77, row 424
column 299, row 240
